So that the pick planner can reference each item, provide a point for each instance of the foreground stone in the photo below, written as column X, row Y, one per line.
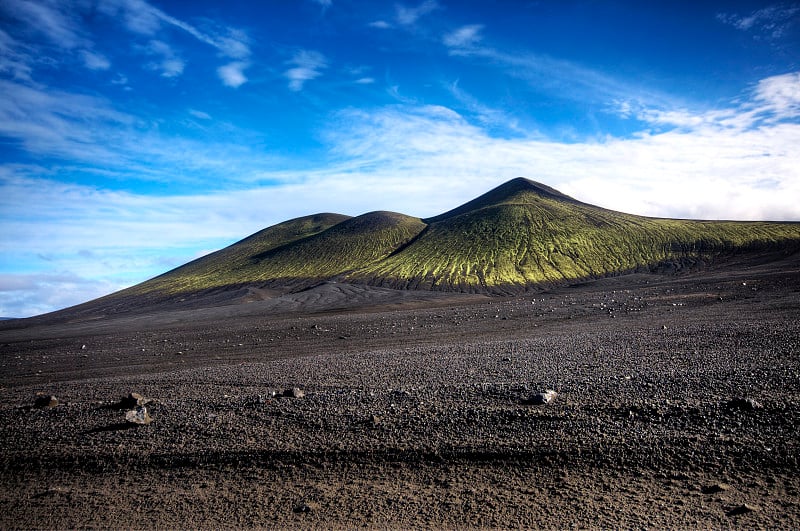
column 744, row 404
column 45, row 401
column 139, row 416
column 545, row 397
column 132, row 401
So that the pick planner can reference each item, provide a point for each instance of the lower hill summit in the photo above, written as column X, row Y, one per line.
column 517, row 236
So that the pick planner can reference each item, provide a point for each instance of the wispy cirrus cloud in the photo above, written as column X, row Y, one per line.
column 463, row 37
column 772, row 100
column 168, row 62
column 562, row 79
column 308, row 65
column 58, row 123
column 61, row 26
column 770, row 22
column 90, row 134
column 57, row 21
column 144, row 19
column 15, row 59
column 95, row 61
column 406, row 16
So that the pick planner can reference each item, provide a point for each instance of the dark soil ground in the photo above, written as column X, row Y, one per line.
column 678, row 406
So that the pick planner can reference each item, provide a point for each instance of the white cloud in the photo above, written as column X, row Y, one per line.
column 234, row 44
column 88, row 132
column 463, row 37
column 769, row 22
column 484, row 114
column 54, row 20
column 145, row 19
column 381, row 24
column 95, row 61
column 199, row 114
column 232, row 74
column 365, row 80
column 564, row 79
column 169, row 63
column 408, row 16
column 138, row 16
column 13, row 58
column 308, row 65
column 780, row 94
column 58, row 123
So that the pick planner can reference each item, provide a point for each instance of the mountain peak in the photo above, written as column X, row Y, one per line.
column 507, row 192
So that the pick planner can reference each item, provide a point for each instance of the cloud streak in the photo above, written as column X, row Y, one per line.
column 769, row 22
column 144, row 19
column 463, row 37
column 308, row 65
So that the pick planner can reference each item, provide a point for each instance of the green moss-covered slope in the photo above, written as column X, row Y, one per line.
column 222, row 267
column 516, row 235
column 310, row 248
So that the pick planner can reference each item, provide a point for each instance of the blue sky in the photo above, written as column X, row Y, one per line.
column 137, row 135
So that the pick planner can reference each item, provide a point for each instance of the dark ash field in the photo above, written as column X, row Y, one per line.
column 678, row 405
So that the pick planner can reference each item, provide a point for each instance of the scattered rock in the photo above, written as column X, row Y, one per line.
column 745, row 508
column 301, row 508
column 138, row 416
column 132, row 401
column 744, row 404
column 45, row 401
column 545, row 397
column 715, row 488
column 294, row 392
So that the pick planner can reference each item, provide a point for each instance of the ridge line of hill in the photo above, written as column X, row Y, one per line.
column 514, row 237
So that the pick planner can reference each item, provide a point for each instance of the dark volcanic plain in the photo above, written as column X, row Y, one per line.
column 678, row 406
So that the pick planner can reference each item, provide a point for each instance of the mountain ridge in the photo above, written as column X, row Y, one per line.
column 520, row 235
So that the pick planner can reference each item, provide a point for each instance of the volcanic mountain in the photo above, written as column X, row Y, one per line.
column 517, row 236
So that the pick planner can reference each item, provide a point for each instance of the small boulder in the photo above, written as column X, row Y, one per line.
column 545, row 397
column 301, row 508
column 139, row 416
column 294, row 392
column 744, row 508
column 744, row 404
column 132, row 401
column 45, row 401
column 715, row 488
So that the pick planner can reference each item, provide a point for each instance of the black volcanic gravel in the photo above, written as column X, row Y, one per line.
column 418, row 415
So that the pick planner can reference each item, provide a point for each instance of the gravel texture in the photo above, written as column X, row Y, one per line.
column 677, row 404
